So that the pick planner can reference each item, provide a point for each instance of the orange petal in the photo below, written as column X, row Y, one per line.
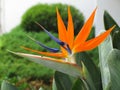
column 85, row 31
column 70, row 29
column 78, row 48
column 59, row 55
column 90, row 44
column 61, row 31
column 61, row 28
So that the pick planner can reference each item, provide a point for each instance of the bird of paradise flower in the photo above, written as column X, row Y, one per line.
column 68, row 43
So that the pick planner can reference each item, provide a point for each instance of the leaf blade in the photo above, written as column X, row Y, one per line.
column 59, row 65
column 104, row 50
column 114, row 65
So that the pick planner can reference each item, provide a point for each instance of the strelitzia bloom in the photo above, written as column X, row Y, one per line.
column 69, row 44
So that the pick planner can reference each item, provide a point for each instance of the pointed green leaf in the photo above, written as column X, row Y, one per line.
column 116, row 40
column 88, row 78
column 110, row 65
column 78, row 85
column 94, row 73
column 7, row 86
column 104, row 50
column 109, row 22
column 54, row 87
column 64, row 67
column 63, row 81
column 114, row 65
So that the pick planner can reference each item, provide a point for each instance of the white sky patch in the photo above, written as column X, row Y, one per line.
column 14, row 9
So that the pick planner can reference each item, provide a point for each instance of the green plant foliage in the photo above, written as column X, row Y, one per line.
column 54, row 87
column 109, row 64
column 78, row 85
column 45, row 14
column 109, row 22
column 85, row 73
column 66, row 82
column 72, row 69
column 104, row 50
column 67, row 68
column 14, row 68
column 113, row 58
column 114, row 65
column 63, row 81
column 92, row 72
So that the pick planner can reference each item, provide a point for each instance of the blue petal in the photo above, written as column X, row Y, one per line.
column 63, row 44
column 68, row 49
column 51, row 36
column 44, row 46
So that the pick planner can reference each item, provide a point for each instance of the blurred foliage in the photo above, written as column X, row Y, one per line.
column 45, row 14
column 108, row 23
column 14, row 68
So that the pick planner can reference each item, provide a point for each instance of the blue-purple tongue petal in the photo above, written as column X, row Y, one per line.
column 51, row 36
column 63, row 44
column 44, row 46
column 68, row 49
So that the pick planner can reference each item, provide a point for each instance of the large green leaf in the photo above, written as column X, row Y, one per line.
column 7, row 86
column 110, row 65
column 104, row 50
column 109, row 22
column 92, row 74
column 114, row 65
column 64, row 67
column 113, row 58
column 63, row 81
column 66, row 82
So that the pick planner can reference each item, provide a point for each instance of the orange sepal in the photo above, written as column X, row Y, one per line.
column 61, row 31
column 85, row 31
column 61, row 28
column 90, row 44
column 70, row 29
column 58, row 55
